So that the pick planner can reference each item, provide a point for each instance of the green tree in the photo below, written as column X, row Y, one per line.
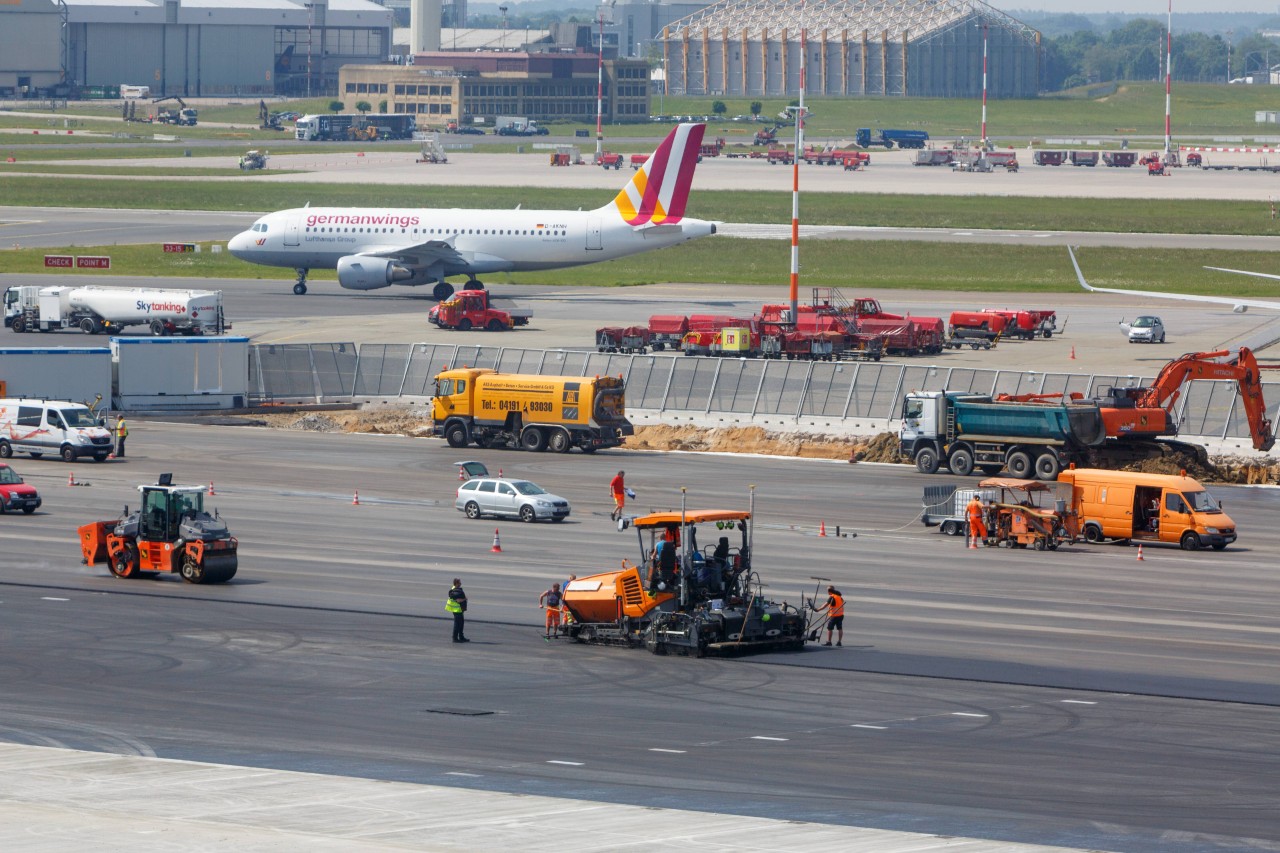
column 719, row 108
column 756, row 108
column 335, row 106
column 363, row 107
column 382, row 106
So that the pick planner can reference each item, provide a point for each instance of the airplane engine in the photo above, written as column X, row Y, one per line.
column 361, row 272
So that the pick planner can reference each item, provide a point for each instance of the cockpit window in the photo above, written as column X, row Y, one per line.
column 260, row 227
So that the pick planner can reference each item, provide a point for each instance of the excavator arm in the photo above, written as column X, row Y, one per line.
column 1243, row 369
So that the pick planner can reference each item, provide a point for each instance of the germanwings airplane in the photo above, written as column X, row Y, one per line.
column 1238, row 306
column 373, row 247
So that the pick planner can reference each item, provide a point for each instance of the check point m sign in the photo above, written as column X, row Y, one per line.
column 84, row 262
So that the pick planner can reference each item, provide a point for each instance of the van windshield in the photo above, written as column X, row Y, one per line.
column 77, row 418
column 1202, row 502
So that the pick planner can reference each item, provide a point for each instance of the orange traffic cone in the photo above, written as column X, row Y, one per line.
column 497, row 544
column 1072, row 357
column 461, row 476
column 499, row 472
column 211, row 491
column 1141, row 559
column 355, row 501
column 822, row 528
column 71, row 479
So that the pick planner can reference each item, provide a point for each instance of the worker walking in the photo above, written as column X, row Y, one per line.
column 456, row 604
column 618, row 489
column 835, row 615
column 977, row 526
column 122, row 432
column 551, row 601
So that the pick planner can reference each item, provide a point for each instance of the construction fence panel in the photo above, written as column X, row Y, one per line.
column 873, row 389
column 647, row 381
column 934, row 378
column 690, row 385
column 476, row 356
column 380, row 370
column 517, row 360
column 783, row 388
column 962, row 380
column 335, row 368
column 1208, row 408
column 284, row 371
column 829, row 384
column 606, row 364
column 736, row 386
column 425, row 361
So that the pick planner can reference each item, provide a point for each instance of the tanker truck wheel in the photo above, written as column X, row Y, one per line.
column 90, row 326
column 192, row 571
column 157, row 328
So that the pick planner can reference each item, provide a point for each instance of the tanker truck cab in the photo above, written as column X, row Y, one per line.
column 1129, row 505
column 37, row 427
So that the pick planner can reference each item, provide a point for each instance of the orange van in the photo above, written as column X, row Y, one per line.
column 1148, row 508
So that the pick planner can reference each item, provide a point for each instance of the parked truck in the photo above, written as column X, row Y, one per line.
column 348, row 126
column 472, row 309
column 517, row 126
column 557, row 413
column 99, row 310
column 865, row 138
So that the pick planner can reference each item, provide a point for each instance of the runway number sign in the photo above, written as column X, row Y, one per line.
column 180, row 247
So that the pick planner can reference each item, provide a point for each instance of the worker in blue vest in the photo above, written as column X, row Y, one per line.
column 456, row 604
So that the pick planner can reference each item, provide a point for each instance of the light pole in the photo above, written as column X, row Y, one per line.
column 600, row 83
column 503, row 10
column 1231, row 35
column 984, row 85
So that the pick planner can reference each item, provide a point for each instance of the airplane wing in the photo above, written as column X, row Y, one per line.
column 422, row 255
column 1239, row 306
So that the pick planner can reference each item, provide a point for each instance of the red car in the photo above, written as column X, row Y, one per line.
column 15, row 494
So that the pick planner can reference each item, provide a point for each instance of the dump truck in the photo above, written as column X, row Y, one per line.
column 557, row 413
column 99, row 310
column 865, row 138
column 678, row 596
column 472, row 309
column 171, row 533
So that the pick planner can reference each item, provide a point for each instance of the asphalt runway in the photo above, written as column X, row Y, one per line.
column 1077, row 697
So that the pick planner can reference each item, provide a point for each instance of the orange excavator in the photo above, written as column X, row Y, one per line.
column 1132, row 414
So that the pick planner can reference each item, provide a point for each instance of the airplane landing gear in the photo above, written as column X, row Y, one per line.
column 442, row 291
column 474, row 283
column 301, row 286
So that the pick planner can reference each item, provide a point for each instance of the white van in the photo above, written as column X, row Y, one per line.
column 68, row 430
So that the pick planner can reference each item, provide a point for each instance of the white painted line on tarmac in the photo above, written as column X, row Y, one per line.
column 762, row 737
column 865, row 726
column 1077, row 702
column 569, row 763
column 966, row 714
column 659, row 749
column 51, row 598
column 470, row 775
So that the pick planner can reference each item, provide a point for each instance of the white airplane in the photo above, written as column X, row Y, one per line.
column 373, row 247
column 1239, row 306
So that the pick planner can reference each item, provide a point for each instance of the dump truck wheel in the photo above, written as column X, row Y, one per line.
column 927, row 461
column 125, row 564
column 1019, row 464
column 1048, row 466
column 192, row 571
column 961, row 462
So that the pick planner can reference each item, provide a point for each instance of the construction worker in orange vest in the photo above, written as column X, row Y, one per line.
column 977, row 526
column 835, row 615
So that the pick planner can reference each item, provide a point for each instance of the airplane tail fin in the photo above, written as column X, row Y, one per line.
column 657, row 194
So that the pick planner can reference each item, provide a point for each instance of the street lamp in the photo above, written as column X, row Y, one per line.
column 503, row 10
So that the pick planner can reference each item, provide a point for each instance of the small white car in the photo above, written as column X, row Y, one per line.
column 1147, row 329
column 509, row 498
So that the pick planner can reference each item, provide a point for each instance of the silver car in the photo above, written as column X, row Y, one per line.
column 1147, row 329
column 509, row 498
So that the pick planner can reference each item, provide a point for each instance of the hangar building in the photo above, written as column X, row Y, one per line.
column 922, row 48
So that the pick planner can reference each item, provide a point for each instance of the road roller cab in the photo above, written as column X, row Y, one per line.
column 172, row 532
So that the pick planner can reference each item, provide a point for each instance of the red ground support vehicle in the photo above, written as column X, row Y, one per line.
column 1027, row 324
column 765, row 136
column 471, row 309
column 617, row 339
column 854, row 160
column 667, row 330
column 781, row 155
column 638, row 160
column 993, row 323
column 1195, row 160
column 609, row 160
column 711, row 149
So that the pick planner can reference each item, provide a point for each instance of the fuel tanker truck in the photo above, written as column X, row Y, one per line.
column 557, row 413
column 171, row 532
column 99, row 310
column 679, row 597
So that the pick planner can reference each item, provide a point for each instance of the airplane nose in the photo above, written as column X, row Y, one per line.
column 239, row 244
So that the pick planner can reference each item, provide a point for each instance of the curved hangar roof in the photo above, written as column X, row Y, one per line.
column 894, row 18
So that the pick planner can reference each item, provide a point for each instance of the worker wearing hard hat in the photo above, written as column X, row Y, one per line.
column 977, row 525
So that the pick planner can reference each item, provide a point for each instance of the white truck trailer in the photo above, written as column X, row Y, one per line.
column 98, row 310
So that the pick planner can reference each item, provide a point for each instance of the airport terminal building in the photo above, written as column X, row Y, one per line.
column 923, row 48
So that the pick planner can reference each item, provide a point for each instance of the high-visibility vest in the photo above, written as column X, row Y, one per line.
column 837, row 606
column 453, row 605
column 122, row 429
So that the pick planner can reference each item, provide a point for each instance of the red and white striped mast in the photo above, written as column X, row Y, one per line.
column 795, row 179
column 1168, row 77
